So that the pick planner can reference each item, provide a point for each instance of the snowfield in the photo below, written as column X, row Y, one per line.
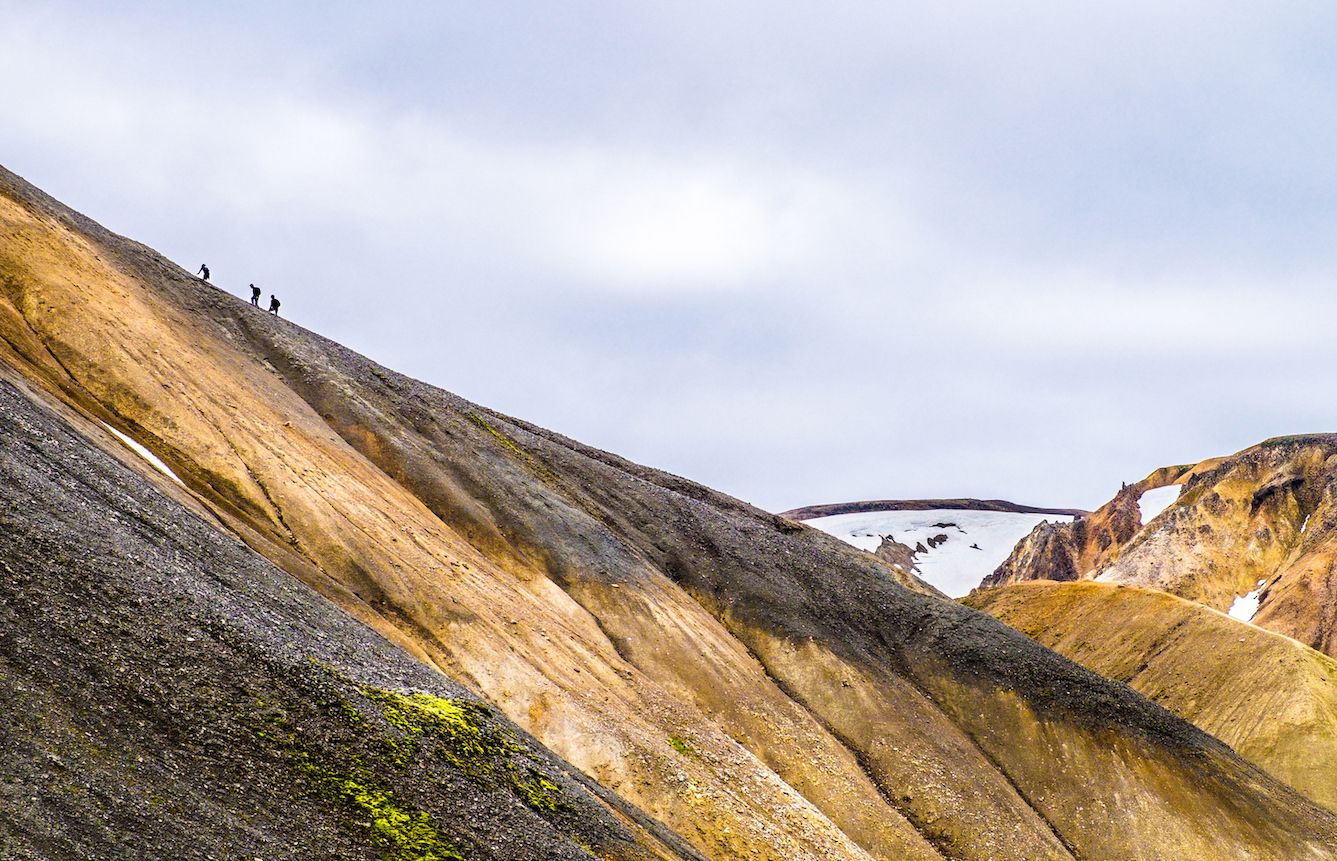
column 1153, row 502
column 1245, row 606
column 954, row 565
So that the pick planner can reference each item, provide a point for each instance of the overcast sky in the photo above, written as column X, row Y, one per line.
column 799, row 252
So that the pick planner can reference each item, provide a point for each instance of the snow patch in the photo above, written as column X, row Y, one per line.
column 976, row 542
column 1305, row 525
column 1154, row 501
column 144, row 453
column 1245, row 606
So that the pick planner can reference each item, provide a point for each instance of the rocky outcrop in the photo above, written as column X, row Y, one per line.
column 759, row 688
column 1071, row 551
column 897, row 555
column 1269, row 697
column 1050, row 552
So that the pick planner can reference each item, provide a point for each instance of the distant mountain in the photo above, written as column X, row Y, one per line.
column 1062, row 552
column 1254, row 533
column 950, row 543
column 374, row 619
column 811, row 512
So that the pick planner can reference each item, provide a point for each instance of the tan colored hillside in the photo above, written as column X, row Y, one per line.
column 760, row 688
column 1269, row 697
column 1262, row 519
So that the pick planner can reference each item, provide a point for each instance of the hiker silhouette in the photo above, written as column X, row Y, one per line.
column 255, row 296
column 273, row 304
column 204, row 270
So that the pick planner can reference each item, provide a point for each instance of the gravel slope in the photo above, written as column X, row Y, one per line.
column 167, row 693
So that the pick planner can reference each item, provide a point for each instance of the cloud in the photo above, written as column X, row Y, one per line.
column 601, row 217
column 673, row 227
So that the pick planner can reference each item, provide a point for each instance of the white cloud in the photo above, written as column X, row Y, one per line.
column 1168, row 316
column 603, row 217
column 673, row 227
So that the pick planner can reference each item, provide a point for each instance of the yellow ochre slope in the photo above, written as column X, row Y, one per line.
column 1272, row 699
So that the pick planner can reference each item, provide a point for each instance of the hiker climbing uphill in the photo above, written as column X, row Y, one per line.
column 255, row 296
column 273, row 304
column 204, row 271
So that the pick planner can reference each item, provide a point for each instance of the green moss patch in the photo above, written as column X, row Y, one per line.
column 366, row 741
column 342, row 779
column 542, row 471
column 464, row 734
column 401, row 832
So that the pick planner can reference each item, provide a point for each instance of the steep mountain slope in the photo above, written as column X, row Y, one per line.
column 1269, row 697
column 167, row 693
column 951, row 544
column 763, row 689
column 1261, row 521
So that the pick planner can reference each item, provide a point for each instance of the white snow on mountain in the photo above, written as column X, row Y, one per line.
column 969, row 544
column 1245, row 606
column 144, row 453
column 1153, row 502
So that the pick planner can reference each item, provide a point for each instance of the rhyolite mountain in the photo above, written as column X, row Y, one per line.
column 1259, row 523
column 376, row 620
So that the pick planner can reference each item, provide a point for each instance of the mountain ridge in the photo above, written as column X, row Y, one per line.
column 811, row 512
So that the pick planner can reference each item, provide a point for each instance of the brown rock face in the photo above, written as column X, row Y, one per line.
column 1050, row 552
column 1259, row 521
column 763, row 690
column 897, row 555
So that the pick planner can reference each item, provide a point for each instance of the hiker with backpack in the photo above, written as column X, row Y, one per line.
column 273, row 304
column 204, row 270
column 255, row 296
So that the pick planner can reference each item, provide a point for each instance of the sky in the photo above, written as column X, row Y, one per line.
column 802, row 253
